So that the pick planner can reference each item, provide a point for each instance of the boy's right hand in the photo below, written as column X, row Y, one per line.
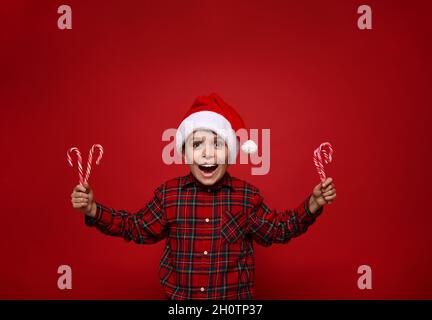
column 82, row 200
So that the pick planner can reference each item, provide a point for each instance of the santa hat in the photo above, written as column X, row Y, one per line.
column 212, row 113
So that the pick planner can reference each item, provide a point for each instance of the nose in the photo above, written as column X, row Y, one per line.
column 208, row 150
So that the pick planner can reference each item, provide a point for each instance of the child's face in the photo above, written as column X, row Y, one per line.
column 207, row 156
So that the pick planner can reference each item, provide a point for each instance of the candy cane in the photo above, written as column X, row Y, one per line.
column 84, row 180
column 322, row 155
column 90, row 158
column 80, row 169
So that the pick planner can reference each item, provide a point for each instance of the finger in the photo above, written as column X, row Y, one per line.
column 87, row 187
column 332, row 197
column 80, row 195
column 78, row 205
column 77, row 200
column 81, row 199
column 329, row 193
column 79, row 188
column 327, row 182
column 317, row 192
column 329, row 187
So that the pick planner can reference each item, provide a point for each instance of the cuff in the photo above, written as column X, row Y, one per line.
column 91, row 221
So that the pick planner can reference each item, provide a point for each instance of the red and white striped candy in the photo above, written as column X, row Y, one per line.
column 85, row 179
column 321, row 156
column 90, row 158
column 69, row 158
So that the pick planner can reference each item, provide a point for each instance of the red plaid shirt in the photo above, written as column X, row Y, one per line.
column 209, row 232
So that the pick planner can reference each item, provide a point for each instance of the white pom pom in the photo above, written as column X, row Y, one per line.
column 249, row 147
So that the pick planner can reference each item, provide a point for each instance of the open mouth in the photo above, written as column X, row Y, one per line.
column 208, row 168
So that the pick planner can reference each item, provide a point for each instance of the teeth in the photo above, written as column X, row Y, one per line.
column 208, row 165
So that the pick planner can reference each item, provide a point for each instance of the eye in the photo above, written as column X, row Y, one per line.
column 196, row 144
column 219, row 143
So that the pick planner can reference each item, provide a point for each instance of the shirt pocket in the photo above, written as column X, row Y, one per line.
column 233, row 225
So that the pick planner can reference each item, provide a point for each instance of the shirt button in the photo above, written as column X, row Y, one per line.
column 207, row 220
column 202, row 289
column 205, row 252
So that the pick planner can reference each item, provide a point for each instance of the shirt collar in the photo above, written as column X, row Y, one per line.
column 189, row 179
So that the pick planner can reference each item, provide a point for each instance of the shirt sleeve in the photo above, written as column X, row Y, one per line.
column 271, row 226
column 146, row 226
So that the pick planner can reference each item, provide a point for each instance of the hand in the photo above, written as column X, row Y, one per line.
column 83, row 200
column 323, row 193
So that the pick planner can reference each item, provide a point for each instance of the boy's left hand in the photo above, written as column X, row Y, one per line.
column 324, row 192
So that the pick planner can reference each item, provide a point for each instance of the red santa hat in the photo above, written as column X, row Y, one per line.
column 212, row 113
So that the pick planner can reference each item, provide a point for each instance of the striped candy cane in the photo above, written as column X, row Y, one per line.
column 80, row 169
column 90, row 158
column 321, row 156
column 82, row 179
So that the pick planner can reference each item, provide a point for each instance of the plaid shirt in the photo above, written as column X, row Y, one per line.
column 209, row 232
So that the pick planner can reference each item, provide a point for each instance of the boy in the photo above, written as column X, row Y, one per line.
column 208, row 218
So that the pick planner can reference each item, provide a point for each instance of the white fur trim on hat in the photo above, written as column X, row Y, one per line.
column 208, row 120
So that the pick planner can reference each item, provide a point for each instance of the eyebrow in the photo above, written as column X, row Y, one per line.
column 203, row 138
column 198, row 138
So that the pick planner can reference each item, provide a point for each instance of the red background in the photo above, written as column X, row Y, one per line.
column 128, row 70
